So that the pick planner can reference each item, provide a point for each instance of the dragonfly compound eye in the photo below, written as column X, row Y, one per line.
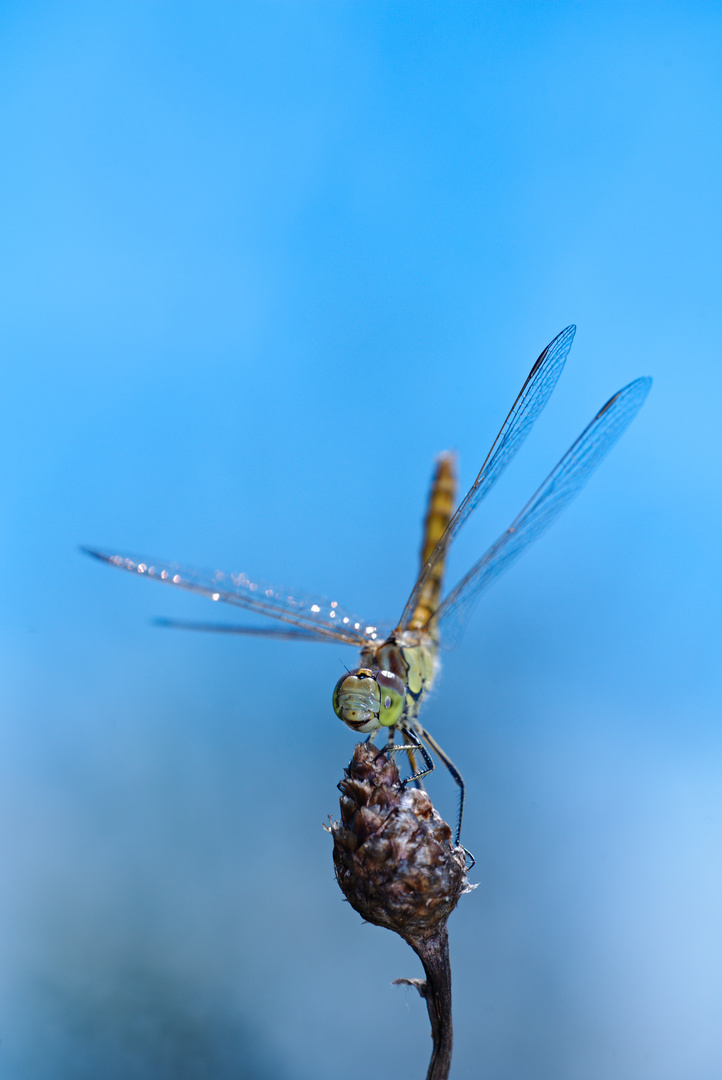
column 357, row 700
column 392, row 693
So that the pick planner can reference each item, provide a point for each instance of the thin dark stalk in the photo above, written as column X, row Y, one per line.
column 435, row 989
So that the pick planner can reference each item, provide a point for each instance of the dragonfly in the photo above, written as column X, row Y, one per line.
column 397, row 669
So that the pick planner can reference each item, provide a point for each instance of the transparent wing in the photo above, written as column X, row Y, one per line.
column 532, row 398
column 557, row 491
column 324, row 618
column 278, row 633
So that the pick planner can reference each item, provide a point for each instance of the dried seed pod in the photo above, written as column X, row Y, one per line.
column 397, row 866
column 393, row 853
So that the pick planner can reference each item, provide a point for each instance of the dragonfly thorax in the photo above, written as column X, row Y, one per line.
column 368, row 699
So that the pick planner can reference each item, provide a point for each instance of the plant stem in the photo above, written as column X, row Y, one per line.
column 433, row 951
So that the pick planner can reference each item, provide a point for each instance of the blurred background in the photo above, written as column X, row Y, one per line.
column 261, row 262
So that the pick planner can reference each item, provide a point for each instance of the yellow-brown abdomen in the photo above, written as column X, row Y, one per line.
column 440, row 507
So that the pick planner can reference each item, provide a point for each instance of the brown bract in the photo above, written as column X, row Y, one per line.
column 393, row 854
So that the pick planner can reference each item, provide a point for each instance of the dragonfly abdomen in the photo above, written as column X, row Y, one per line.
column 442, row 499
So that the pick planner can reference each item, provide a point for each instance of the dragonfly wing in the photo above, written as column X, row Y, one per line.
column 557, row 491
column 532, row 398
column 278, row 633
column 324, row 618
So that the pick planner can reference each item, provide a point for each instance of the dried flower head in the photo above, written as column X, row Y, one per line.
column 393, row 853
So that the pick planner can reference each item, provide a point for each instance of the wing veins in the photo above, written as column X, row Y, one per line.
column 263, row 599
column 562, row 484
column 530, row 401
column 279, row 633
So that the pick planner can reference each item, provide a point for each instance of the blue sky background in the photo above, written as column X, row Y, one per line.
column 261, row 262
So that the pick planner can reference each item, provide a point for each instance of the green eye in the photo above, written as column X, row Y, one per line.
column 392, row 694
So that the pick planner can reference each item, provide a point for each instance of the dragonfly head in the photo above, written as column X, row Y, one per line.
column 368, row 699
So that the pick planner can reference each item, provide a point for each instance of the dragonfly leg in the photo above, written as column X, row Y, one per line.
column 458, row 778
column 414, row 771
column 390, row 749
column 414, row 743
